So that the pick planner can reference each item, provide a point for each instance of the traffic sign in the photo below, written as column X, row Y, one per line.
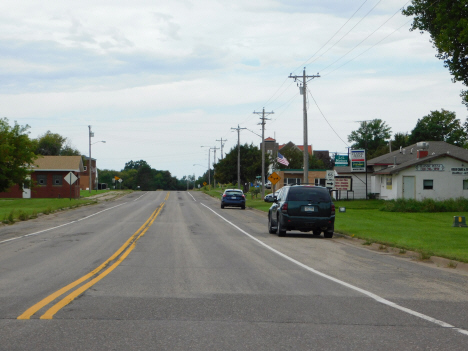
column 274, row 178
column 204, row 183
column 120, row 180
column 70, row 178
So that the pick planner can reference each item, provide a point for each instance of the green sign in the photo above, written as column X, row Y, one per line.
column 341, row 160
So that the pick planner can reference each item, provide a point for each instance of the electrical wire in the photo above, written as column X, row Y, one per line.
column 326, row 120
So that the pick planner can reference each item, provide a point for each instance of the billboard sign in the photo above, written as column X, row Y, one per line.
column 341, row 160
column 358, row 160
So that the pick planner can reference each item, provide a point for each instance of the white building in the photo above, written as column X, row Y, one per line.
column 435, row 170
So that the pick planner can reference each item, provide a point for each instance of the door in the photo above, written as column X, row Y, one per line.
column 26, row 190
column 408, row 188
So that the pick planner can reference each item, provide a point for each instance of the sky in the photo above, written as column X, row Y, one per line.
column 165, row 81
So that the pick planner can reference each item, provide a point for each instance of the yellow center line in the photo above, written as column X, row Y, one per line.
column 128, row 246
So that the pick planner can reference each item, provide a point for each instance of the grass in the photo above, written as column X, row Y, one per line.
column 12, row 210
column 430, row 234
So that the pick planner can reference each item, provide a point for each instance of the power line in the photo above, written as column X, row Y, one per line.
column 326, row 120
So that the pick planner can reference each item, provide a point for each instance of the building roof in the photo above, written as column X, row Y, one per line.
column 407, row 157
column 59, row 163
column 410, row 152
column 300, row 147
column 270, row 139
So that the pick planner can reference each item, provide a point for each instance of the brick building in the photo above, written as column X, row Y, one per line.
column 48, row 173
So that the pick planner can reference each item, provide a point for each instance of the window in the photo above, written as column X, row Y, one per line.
column 291, row 181
column 320, row 182
column 428, row 184
column 57, row 180
column 41, row 179
column 85, row 168
column 465, row 184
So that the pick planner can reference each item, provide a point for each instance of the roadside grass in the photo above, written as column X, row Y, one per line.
column 430, row 234
column 12, row 210
column 86, row 193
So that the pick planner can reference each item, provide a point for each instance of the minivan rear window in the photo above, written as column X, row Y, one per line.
column 308, row 194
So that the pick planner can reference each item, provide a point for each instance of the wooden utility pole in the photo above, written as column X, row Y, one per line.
column 222, row 145
column 214, row 162
column 263, row 119
column 238, row 154
column 303, row 89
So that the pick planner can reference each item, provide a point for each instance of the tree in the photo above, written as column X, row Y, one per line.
column 447, row 23
column 135, row 164
column 439, row 126
column 371, row 136
column 53, row 144
column 250, row 165
column 400, row 140
column 294, row 156
column 16, row 154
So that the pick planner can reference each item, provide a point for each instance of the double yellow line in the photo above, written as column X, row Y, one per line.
column 108, row 266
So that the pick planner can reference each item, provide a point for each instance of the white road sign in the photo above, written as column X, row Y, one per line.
column 70, row 178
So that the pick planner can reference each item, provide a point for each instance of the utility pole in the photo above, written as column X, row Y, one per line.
column 263, row 119
column 222, row 145
column 91, row 134
column 238, row 154
column 209, row 154
column 303, row 90
column 214, row 161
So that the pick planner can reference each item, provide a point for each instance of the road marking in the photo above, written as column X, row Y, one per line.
column 59, row 226
column 350, row 286
column 118, row 257
column 192, row 197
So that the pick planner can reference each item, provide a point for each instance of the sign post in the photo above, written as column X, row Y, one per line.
column 70, row 178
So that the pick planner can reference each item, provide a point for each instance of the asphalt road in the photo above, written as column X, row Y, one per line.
column 172, row 271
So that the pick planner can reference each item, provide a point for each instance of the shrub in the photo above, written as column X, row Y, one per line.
column 426, row 205
column 23, row 216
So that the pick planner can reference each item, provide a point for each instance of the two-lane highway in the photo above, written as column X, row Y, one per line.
column 172, row 271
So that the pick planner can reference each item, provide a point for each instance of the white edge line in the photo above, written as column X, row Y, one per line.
column 62, row 225
column 192, row 197
column 138, row 198
column 350, row 286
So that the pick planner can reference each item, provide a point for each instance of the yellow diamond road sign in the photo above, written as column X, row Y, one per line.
column 274, row 178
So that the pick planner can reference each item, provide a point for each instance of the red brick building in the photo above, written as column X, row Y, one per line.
column 84, row 176
column 48, row 173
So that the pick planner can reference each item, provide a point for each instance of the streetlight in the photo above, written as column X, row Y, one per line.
column 91, row 134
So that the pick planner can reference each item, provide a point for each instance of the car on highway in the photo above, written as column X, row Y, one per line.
column 302, row 207
column 270, row 197
column 233, row 198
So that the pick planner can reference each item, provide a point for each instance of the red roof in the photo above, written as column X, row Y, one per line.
column 270, row 139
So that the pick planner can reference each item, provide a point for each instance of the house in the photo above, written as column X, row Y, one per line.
column 433, row 169
column 84, row 176
column 48, row 179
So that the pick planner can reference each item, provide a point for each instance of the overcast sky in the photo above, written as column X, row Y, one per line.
column 159, row 79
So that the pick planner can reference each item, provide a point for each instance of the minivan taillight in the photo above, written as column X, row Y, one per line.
column 284, row 208
column 333, row 209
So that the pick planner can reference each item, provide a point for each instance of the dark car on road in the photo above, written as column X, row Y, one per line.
column 302, row 207
column 233, row 198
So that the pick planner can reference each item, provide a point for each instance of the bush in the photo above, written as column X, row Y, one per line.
column 23, row 216
column 427, row 205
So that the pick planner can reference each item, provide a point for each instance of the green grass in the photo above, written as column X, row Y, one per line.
column 86, row 193
column 23, row 209
column 430, row 234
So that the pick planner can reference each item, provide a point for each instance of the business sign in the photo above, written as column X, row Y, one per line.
column 459, row 171
column 344, row 183
column 358, row 160
column 341, row 160
column 431, row 167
